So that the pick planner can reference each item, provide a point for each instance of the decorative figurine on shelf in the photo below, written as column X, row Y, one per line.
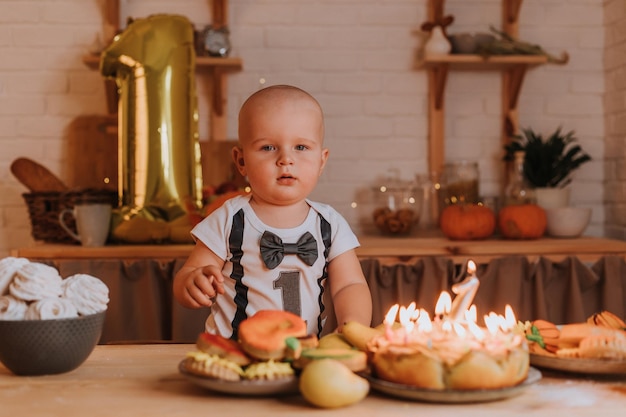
column 437, row 43
column 216, row 41
column 160, row 176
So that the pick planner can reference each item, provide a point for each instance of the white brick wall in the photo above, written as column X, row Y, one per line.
column 357, row 57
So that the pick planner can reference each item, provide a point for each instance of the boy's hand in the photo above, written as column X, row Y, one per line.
column 203, row 284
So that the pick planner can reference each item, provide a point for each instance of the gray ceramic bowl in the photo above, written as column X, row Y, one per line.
column 43, row 347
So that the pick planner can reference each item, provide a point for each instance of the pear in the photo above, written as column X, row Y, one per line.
column 327, row 383
column 334, row 341
column 358, row 334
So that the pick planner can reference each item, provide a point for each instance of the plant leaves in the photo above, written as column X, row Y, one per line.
column 548, row 162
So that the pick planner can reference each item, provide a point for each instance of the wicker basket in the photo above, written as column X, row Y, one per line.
column 44, row 209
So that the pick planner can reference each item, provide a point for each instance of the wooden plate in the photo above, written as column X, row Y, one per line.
column 452, row 396
column 578, row 365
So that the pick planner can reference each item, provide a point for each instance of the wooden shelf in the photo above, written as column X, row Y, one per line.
column 587, row 249
column 513, row 69
column 479, row 62
column 202, row 63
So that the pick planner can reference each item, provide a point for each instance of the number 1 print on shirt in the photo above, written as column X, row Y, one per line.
column 289, row 285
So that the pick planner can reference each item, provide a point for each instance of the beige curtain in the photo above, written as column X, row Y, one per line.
column 141, row 307
column 562, row 292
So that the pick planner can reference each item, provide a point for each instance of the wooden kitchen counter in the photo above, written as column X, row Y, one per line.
column 587, row 249
column 143, row 380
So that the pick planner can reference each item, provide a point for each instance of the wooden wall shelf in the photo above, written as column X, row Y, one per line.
column 202, row 63
column 513, row 69
column 479, row 62
column 588, row 249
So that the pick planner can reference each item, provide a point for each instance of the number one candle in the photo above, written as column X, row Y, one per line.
column 465, row 292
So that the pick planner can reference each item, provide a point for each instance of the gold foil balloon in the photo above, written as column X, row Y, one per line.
column 153, row 63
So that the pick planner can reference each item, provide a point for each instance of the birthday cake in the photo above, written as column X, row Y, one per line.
column 451, row 351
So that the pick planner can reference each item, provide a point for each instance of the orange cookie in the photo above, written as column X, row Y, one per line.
column 214, row 344
column 603, row 346
column 264, row 335
column 572, row 334
column 549, row 334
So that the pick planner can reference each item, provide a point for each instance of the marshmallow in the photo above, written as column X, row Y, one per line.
column 35, row 281
column 89, row 294
column 51, row 308
column 11, row 308
column 8, row 267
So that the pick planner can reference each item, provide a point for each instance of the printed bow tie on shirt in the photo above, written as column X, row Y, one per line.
column 273, row 249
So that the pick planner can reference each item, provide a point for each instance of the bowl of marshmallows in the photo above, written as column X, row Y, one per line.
column 48, row 324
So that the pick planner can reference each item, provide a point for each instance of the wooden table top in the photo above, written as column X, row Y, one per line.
column 586, row 248
column 143, row 380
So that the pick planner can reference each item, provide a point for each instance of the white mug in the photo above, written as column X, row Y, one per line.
column 92, row 223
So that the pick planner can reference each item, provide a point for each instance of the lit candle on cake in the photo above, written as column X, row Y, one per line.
column 450, row 352
column 390, row 319
column 465, row 292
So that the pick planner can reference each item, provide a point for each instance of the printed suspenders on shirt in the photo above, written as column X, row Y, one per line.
column 241, row 290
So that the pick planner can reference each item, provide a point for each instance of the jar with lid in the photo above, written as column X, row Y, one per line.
column 518, row 191
column 461, row 180
column 397, row 206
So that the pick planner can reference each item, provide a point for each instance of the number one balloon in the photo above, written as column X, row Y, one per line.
column 153, row 64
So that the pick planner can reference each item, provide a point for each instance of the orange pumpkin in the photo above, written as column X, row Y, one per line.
column 525, row 221
column 467, row 221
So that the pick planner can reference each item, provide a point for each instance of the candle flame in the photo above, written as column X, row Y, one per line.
column 444, row 303
column 509, row 318
column 390, row 318
column 492, row 322
column 406, row 313
column 471, row 267
column 423, row 322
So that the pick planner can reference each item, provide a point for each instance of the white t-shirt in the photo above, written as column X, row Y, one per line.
column 233, row 232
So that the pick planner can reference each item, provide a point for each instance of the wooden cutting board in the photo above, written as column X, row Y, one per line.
column 92, row 152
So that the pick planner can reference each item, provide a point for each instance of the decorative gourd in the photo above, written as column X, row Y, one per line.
column 525, row 221
column 467, row 222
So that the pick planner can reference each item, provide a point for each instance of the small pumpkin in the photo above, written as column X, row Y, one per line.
column 467, row 221
column 525, row 221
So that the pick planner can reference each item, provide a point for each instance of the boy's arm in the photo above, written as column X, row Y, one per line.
column 352, row 300
column 200, row 279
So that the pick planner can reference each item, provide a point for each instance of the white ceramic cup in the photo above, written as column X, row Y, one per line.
column 92, row 223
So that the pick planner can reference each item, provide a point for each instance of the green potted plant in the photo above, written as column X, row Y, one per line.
column 548, row 163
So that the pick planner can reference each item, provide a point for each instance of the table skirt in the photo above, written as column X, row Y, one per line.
column 142, row 308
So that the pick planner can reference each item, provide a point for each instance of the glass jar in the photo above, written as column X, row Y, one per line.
column 518, row 190
column 430, row 187
column 461, row 182
column 397, row 207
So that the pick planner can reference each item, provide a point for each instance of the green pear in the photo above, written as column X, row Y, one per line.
column 327, row 383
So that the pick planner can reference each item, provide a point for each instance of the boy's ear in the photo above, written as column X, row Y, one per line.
column 237, row 155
